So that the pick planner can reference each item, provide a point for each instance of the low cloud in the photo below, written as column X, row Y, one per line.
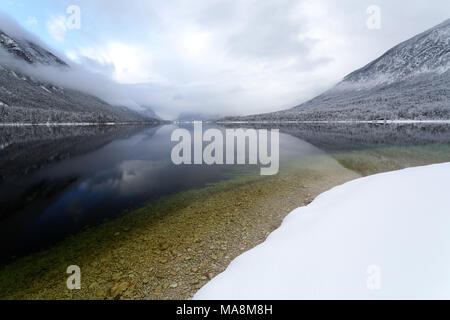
column 75, row 78
column 56, row 27
column 229, row 57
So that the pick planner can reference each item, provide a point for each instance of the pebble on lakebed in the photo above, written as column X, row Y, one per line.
column 172, row 247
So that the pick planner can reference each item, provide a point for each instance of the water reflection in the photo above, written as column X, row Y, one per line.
column 70, row 179
column 56, row 180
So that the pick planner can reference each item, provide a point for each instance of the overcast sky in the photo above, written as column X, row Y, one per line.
column 225, row 56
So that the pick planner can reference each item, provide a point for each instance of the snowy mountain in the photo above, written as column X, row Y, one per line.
column 28, row 51
column 149, row 112
column 410, row 81
column 196, row 116
column 27, row 99
column 428, row 52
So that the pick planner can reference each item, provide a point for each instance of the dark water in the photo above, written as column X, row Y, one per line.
column 56, row 180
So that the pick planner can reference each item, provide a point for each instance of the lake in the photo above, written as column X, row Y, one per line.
column 55, row 181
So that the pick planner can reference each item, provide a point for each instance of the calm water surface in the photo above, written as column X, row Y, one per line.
column 55, row 181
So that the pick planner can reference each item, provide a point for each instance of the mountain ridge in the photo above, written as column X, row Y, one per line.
column 29, row 51
column 411, row 81
column 26, row 99
column 435, row 42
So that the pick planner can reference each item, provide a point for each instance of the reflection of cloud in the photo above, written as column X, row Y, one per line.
column 129, row 178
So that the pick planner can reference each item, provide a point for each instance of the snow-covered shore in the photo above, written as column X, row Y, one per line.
column 437, row 121
column 382, row 237
column 69, row 124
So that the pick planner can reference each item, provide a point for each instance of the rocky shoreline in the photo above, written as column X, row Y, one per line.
column 172, row 247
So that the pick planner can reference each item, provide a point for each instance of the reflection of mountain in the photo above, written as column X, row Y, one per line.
column 369, row 149
column 26, row 99
column 410, row 81
column 332, row 137
column 27, row 149
column 148, row 112
column 193, row 116
column 343, row 137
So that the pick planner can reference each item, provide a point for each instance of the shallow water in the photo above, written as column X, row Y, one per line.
column 56, row 181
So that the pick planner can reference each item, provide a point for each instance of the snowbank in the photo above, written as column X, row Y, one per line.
column 382, row 237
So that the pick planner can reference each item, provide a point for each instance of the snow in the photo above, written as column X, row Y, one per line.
column 62, row 124
column 4, row 146
column 424, row 53
column 410, row 81
column 45, row 89
column 443, row 121
column 382, row 237
column 7, row 40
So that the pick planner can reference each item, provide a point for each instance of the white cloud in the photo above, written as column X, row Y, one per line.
column 195, row 43
column 235, row 56
column 132, row 65
column 56, row 27
column 32, row 22
column 122, row 62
